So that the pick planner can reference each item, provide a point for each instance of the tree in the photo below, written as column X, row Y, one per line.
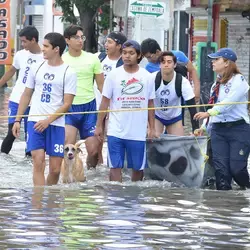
column 88, row 10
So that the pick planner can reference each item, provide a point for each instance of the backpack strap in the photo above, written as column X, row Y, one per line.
column 102, row 56
column 119, row 62
column 178, row 84
column 158, row 80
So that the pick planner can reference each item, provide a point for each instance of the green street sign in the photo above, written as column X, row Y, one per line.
column 146, row 8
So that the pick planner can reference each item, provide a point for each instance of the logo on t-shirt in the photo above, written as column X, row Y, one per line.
column 107, row 68
column 132, row 87
column 30, row 61
column 49, row 77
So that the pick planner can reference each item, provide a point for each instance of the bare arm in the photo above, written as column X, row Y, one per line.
column 151, row 115
column 104, row 106
column 99, row 81
column 101, row 116
column 43, row 124
column 7, row 76
column 68, row 99
column 24, row 102
column 191, row 69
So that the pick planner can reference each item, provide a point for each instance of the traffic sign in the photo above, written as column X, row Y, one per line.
column 156, row 9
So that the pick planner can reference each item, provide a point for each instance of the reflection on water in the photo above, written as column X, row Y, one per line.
column 102, row 215
column 123, row 217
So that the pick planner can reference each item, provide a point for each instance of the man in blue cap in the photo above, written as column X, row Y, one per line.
column 128, row 87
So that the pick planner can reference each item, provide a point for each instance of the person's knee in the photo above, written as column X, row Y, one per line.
column 93, row 146
column 38, row 162
column 238, row 167
column 55, row 171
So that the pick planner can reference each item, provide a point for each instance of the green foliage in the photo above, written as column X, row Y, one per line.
column 82, row 5
column 87, row 11
column 68, row 12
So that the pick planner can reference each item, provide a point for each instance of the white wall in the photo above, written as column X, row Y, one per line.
column 48, row 17
column 58, row 25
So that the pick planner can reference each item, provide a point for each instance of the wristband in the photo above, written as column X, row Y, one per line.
column 17, row 121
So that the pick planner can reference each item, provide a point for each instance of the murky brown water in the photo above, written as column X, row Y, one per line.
column 102, row 215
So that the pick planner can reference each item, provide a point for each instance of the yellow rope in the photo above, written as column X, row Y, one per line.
column 124, row 110
column 206, row 157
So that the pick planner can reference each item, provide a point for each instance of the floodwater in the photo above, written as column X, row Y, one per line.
column 102, row 215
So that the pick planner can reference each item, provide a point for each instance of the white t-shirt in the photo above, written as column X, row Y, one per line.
column 166, row 96
column 125, row 91
column 235, row 90
column 22, row 62
column 50, row 83
column 107, row 66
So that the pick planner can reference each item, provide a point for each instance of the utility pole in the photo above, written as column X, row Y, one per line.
column 111, row 16
column 126, row 19
column 20, row 15
column 171, row 24
column 209, row 25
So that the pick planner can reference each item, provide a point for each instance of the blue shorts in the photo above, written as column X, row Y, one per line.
column 13, row 107
column 51, row 139
column 135, row 153
column 85, row 123
column 169, row 122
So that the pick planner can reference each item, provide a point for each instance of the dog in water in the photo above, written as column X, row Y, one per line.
column 72, row 165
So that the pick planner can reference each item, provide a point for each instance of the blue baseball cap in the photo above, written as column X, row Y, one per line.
column 133, row 44
column 118, row 37
column 226, row 53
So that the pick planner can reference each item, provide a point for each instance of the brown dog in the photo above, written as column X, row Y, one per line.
column 72, row 165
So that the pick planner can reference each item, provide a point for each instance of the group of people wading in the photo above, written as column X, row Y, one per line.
column 55, row 80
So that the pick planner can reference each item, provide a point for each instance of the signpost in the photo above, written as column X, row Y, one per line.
column 5, row 35
column 156, row 9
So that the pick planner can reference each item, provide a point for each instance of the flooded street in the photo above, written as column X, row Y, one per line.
column 99, row 215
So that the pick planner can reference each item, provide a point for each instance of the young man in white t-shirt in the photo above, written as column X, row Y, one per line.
column 167, row 83
column 110, row 59
column 52, row 87
column 127, row 87
column 23, row 60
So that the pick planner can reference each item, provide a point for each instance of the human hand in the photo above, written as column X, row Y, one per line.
column 99, row 133
column 199, row 132
column 16, row 129
column 40, row 126
column 151, row 134
column 201, row 115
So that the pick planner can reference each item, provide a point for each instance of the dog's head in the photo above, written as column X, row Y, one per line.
column 70, row 151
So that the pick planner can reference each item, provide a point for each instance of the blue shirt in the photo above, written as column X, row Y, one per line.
column 181, row 58
column 152, row 67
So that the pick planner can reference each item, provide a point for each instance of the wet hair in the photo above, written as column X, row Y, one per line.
column 138, row 51
column 56, row 40
column 149, row 45
column 29, row 32
column 231, row 70
column 72, row 30
column 167, row 53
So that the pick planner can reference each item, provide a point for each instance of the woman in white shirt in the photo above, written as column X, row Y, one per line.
column 230, row 130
